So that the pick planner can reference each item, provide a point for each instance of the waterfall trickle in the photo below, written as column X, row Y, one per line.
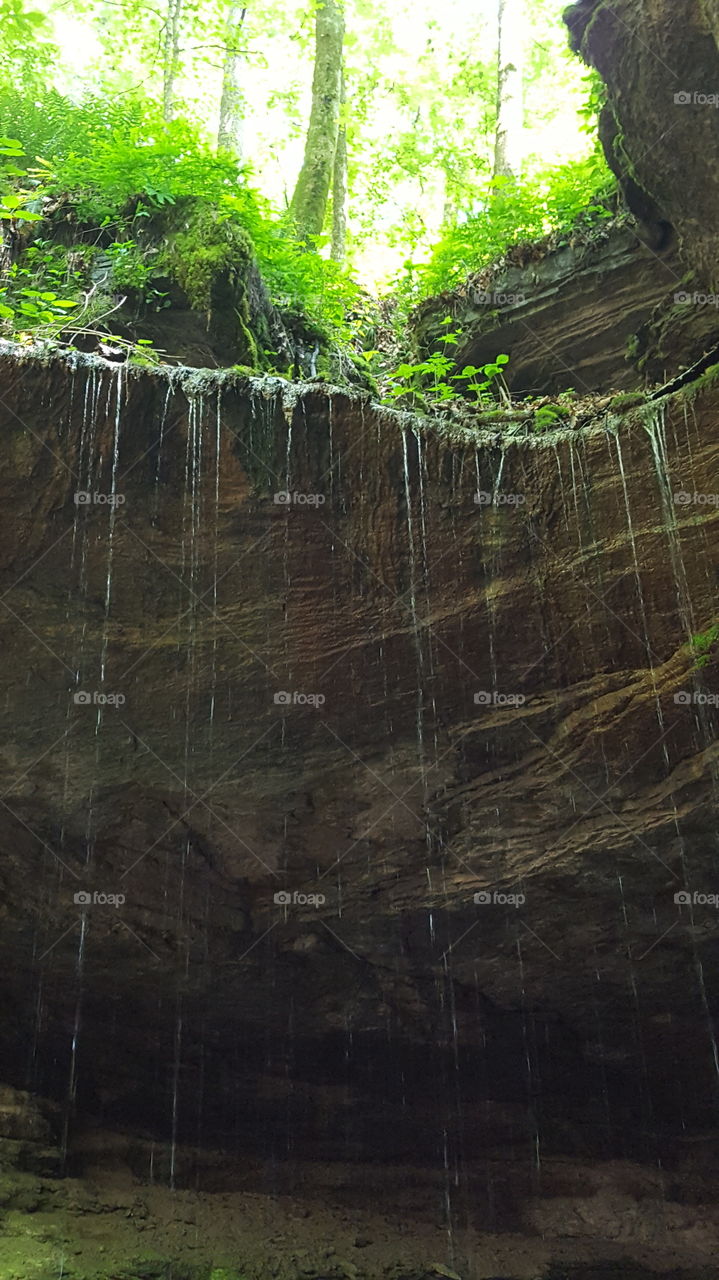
column 416, row 632
column 112, row 503
column 71, row 1096
column 423, row 480
column 650, row 657
column 655, row 425
column 215, row 560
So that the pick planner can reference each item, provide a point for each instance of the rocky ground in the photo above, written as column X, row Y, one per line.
column 114, row 1220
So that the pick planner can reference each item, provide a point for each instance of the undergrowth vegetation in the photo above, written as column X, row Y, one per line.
column 564, row 200
column 557, row 200
column 104, row 199
column 108, row 170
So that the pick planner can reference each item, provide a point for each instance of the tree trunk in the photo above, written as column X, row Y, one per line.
column 309, row 202
column 230, row 131
column 508, row 152
column 171, row 52
column 339, row 183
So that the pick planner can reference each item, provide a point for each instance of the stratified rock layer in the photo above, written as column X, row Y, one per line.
column 572, row 317
column 446, row 665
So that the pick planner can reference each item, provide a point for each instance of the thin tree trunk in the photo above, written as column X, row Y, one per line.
column 508, row 151
column 171, row 57
column 309, row 202
column 232, row 102
column 339, row 183
column 9, row 247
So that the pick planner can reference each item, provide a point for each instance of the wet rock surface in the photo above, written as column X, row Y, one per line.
column 288, row 680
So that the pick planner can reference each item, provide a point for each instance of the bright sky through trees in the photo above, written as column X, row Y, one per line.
column 421, row 89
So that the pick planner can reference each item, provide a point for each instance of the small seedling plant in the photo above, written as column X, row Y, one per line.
column 430, row 381
column 486, row 380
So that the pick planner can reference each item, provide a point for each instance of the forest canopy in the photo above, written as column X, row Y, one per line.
column 358, row 146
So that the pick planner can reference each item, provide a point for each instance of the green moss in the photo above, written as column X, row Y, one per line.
column 202, row 248
column 702, row 644
column 212, row 260
column 626, row 400
column 707, row 379
column 250, row 344
column 631, row 350
column 548, row 416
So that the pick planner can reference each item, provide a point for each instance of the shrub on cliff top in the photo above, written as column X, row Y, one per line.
column 564, row 198
column 111, row 164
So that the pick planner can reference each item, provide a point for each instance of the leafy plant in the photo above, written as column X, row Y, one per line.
column 33, row 308
column 427, row 380
column 13, row 199
column 487, row 377
column 702, row 644
column 562, row 200
column 411, row 380
column 36, row 290
column 130, row 268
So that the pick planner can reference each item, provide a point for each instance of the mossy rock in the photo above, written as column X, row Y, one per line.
column 707, row 379
column 626, row 400
column 212, row 260
column 549, row 417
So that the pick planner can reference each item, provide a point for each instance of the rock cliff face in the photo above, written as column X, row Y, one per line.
column 637, row 304
column 661, row 125
column 358, row 790
column 289, row 679
column 586, row 316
